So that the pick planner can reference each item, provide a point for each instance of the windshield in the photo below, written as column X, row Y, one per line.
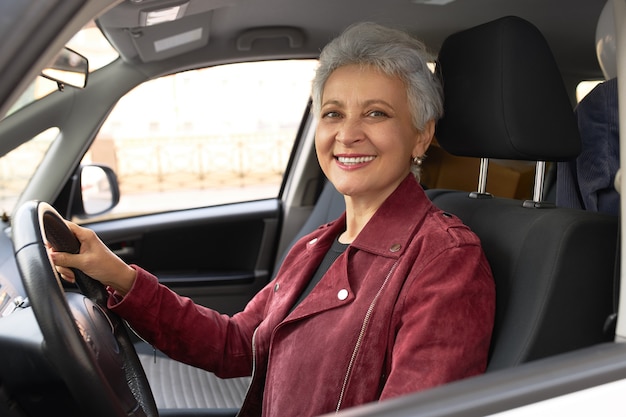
column 19, row 165
column 89, row 42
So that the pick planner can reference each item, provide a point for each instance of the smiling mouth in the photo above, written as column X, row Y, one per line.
column 354, row 160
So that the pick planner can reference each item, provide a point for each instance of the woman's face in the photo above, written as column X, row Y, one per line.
column 365, row 137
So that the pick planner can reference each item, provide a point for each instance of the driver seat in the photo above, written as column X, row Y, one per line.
column 180, row 389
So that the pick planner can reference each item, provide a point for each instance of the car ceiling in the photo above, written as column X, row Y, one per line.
column 233, row 30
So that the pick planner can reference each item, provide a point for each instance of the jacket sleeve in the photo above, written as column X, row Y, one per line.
column 188, row 332
column 443, row 329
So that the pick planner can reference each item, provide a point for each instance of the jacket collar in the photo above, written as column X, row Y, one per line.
column 387, row 234
column 391, row 228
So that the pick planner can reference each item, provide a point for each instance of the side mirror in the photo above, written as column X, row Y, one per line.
column 68, row 68
column 96, row 191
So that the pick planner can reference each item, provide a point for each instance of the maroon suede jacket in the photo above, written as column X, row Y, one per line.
column 408, row 306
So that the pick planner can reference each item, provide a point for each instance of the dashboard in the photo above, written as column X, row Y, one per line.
column 12, row 293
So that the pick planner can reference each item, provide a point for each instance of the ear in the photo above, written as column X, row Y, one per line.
column 423, row 139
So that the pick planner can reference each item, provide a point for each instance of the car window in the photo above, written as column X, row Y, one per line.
column 584, row 87
column 204, row 137
column 19, row 165
column 89, row 42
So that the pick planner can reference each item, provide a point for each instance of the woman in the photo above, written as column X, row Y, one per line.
column 393, row 297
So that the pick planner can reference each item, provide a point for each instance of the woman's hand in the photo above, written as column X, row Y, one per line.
column 94, row 259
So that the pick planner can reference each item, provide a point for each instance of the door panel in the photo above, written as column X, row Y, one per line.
column 509, row 389
column 218, row 256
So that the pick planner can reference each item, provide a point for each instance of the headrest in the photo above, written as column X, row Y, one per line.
column 504, row 96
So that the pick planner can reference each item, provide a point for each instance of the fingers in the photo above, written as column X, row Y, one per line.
column 95, row 260
column 58, row 260
column 64, row 261
column 67, row 274
column 82, row 233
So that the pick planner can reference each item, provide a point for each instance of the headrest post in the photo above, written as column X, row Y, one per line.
column 536, row 202
column 482, row 181
column 540, row 170
column 482, row 175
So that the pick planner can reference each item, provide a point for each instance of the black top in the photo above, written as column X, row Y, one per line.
column 331, row 256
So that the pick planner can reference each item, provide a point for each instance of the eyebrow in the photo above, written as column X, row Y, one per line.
column 365, row 103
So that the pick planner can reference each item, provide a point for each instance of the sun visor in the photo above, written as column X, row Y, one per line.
column 172, row 38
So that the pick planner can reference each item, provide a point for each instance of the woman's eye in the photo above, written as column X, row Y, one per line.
column 377, row 113
column 330, row 115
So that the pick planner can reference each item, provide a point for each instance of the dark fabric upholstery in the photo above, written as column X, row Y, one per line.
column 504, row 95
column 330, row 205
column 553, row 267
column 553, row 270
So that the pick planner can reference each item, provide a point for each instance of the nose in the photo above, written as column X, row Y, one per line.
column 350, row 131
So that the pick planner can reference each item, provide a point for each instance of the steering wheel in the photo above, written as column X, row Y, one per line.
column 87, row 343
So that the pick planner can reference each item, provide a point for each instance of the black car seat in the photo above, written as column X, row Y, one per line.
column 553, row 267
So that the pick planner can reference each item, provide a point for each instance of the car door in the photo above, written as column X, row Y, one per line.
column 200, row 170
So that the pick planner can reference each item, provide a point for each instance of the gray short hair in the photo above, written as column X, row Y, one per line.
column 395, row 53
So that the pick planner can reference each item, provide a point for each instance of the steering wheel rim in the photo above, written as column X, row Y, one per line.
column 87, row 343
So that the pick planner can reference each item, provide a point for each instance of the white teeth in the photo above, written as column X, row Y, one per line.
column 354, row 160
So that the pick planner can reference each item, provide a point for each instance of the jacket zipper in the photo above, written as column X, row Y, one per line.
column 253, row 368
column 253, row 353
column 359, row 340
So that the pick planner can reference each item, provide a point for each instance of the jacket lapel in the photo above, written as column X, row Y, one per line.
column 380, row 237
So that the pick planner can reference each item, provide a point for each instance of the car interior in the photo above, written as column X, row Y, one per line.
column 544, row 308
column 508, row 72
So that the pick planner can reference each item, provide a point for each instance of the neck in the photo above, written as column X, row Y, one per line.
column 357, row 216
column 360, row 209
